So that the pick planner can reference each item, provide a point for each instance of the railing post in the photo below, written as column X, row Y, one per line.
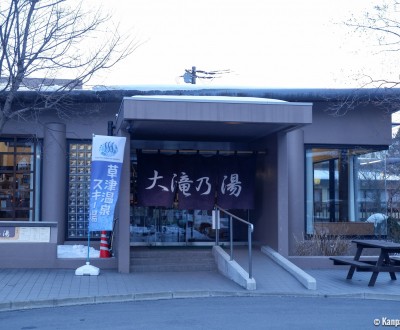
column 215, row 225
column 231, row 236
column 249, row 231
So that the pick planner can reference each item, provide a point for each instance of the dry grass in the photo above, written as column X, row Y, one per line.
column 322, row 245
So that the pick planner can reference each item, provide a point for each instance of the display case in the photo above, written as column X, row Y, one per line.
column 79, row 165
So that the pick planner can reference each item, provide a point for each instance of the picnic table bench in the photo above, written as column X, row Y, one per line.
column 381, row 264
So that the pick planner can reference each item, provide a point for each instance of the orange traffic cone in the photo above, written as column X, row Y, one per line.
column 104, row 250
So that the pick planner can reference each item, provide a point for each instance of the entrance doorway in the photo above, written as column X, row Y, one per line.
column 169, row 226
column 174, row 226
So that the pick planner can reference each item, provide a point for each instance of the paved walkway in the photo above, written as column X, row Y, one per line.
column 33, row 288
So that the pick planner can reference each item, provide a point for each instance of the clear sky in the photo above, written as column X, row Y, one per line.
column 265, row 43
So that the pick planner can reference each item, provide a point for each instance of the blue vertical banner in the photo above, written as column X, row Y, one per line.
column 107, row 159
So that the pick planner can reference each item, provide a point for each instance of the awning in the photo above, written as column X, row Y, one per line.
column 209, row 118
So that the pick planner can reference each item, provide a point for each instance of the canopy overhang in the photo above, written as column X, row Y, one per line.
column 209, row 118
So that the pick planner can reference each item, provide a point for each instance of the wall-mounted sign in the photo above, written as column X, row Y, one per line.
column 7, row 232
column 24, row 234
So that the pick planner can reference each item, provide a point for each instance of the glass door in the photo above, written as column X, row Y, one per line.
column 169, row 226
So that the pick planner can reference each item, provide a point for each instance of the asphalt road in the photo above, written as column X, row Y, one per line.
column 270, row 312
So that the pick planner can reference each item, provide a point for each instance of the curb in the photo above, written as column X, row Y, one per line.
column 64, row 302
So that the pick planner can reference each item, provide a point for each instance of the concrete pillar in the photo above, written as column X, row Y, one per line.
column 296, row 168
column 266, row 210
column 283, row 194
column 123, row 226
column 54, row 176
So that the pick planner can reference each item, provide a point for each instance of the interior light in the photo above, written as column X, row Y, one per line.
column 232, row 123
column 371, row 162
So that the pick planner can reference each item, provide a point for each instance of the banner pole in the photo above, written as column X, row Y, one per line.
column 88, row 247
column 88, row 269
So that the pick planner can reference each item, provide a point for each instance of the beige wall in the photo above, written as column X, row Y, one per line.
column 362, row 125
column 83, row 121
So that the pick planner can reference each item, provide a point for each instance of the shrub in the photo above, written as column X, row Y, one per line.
column 393, row 229
column 322, row 245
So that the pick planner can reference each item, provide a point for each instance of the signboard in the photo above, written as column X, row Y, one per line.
column 24, row 234
column 106, row 166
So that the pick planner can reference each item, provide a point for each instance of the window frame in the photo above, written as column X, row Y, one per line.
column 18, row 188
column 351, row 186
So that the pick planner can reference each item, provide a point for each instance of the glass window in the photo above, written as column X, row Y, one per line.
column 79, row 169
column 19, row 161
column 344, row 188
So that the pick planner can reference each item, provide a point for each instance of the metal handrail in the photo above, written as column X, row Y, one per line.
column 250, row 229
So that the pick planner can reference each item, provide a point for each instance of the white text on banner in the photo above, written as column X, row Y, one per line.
column 107, row 159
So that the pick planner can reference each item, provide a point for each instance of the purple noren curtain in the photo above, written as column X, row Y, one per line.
column 198, row 181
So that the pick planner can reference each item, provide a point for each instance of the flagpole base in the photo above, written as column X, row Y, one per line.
column 87, row 269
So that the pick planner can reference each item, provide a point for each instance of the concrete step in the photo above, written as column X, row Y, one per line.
column 171, row 259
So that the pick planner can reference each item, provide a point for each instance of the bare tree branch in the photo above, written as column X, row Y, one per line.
column 383, row 22
column 48, row 38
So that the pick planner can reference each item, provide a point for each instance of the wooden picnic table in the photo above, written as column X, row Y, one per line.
column 382, row 264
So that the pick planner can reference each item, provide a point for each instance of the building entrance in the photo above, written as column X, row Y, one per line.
column 169, row 226
column 174, row 192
